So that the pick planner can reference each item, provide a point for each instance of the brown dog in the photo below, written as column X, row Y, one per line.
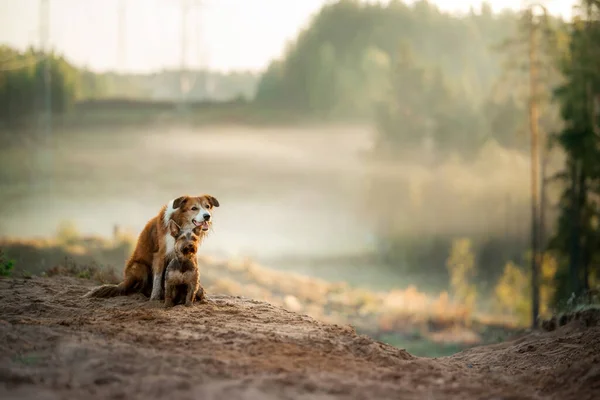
column 144, row 269
column 182, row 276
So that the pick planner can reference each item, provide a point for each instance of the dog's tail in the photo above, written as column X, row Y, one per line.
column 106, row 291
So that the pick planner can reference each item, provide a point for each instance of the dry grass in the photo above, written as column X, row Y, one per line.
column 407, row 312
column 93, row 271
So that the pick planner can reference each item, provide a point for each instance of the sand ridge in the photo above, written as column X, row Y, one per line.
column 56, row 345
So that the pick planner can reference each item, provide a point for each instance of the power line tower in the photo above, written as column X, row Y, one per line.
column 121, row 45
column 183, row 75
column 201, row 57
column 186, row 80
column 45, row 120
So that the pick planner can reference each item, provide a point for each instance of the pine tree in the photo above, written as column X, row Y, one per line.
column 577, row 238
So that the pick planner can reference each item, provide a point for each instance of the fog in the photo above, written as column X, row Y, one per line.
column 282, row 191
column 289, row 196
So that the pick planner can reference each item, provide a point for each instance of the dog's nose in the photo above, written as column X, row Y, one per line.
column 206, row 217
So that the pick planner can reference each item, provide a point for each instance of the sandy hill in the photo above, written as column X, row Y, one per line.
column 56, row 345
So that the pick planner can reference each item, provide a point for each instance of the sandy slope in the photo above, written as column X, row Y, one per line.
column 56, row 345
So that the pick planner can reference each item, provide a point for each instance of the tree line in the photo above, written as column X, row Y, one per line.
column 23, row 90
column 576, row 241
column 441, row 75
column 22, row 84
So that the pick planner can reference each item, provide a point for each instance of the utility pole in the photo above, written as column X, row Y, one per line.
column 535, row 160
column 183, row 81
column 533, row 128
column 198, row 46
column 46, row 114
column 544, row 156
column 187, row 80
column 121, row 44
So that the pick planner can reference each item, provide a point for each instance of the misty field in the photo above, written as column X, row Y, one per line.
column 305, row 218
column 282, row 191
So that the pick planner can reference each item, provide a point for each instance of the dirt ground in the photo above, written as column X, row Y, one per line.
column 56, row 345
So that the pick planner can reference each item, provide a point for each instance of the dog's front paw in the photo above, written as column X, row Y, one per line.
column 157, row 295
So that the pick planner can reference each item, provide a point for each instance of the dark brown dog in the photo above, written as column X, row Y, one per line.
column 182, row 276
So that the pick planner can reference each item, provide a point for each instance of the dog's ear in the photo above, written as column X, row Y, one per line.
column 197, row 230
column 180, row 201
column 213, row 201
column 174, row 229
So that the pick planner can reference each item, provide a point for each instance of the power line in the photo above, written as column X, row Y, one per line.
column 201, row 56
column 186, row 79
column 121, row 37
column 185, row 6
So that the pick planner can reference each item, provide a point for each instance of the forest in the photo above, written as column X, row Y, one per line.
column 455, row 79
column 457, row 83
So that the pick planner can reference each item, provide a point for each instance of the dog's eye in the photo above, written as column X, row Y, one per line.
column 194, row 208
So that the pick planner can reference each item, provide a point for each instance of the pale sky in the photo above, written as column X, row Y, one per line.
column 233, row 34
